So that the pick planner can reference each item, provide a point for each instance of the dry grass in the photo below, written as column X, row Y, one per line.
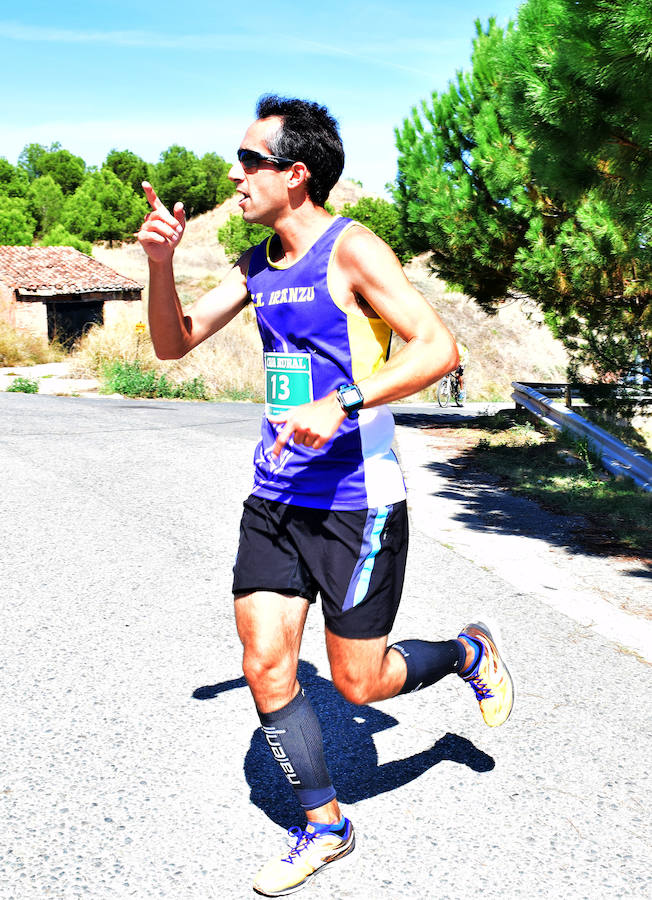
column 19, row 348
column 510, row 346
column 229, row 362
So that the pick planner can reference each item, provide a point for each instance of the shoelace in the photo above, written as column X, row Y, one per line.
column 482, row 692
column 302, row 840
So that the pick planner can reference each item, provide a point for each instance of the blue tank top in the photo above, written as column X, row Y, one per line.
column 311, row 347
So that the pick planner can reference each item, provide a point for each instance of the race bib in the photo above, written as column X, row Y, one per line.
column 288, row 381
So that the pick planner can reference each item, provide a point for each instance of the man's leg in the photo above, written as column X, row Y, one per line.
column 271, row 627
column 365, row 670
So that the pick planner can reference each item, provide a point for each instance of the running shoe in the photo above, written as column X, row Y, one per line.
column 489, row 677
column 311, row 850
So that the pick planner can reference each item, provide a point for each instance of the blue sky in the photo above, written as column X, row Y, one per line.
column 144, row 76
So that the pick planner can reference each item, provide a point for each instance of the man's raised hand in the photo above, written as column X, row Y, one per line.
column 161, row 231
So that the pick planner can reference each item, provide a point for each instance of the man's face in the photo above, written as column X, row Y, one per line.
column 264, row 191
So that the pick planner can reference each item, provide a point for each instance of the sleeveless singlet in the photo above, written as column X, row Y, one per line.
column 311, row 347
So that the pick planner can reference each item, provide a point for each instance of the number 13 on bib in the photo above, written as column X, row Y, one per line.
column 288, row 381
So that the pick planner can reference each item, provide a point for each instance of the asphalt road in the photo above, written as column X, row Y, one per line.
column 131, row 764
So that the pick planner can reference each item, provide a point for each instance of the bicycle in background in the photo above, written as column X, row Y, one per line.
column 449, row 389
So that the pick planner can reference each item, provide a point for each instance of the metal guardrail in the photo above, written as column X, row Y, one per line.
column 586, row 392
column 617, row 457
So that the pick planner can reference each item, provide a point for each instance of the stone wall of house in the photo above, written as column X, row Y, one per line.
column 131, row 311
column 31, row 316
column 7, row 310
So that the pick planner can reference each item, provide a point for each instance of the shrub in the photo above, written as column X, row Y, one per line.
column 384, row 220
column 59, row 237
column 236, row 236
column 17, row 225
column 132, row 380
column 18, row 348
column 24, row 385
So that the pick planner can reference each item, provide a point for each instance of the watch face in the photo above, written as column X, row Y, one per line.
column 350, row 396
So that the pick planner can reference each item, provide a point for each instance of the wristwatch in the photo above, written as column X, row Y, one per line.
column 351, row 399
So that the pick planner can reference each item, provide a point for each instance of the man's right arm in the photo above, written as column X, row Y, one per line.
column 175, row 331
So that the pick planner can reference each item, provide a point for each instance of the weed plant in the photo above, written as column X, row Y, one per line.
column 229, row 363
column 132, row 380
column 563, row 474
column 24, row 385
column 18, row 348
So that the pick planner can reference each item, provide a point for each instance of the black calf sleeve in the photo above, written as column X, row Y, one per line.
column 294, row 737
column 428, row 662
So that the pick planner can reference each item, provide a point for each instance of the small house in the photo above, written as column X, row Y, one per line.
column 58, row 292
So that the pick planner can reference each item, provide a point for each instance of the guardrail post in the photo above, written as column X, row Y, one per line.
column 567, row 393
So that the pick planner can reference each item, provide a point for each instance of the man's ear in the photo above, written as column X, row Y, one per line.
column 298, row 174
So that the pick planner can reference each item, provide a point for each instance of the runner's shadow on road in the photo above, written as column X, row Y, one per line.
column 350, row 752
column 485, row 503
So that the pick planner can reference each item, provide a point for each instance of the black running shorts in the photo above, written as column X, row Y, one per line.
column 355, row 559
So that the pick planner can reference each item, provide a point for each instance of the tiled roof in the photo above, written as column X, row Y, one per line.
column 58, row 270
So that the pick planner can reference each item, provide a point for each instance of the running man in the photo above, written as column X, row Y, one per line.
column 327, row 512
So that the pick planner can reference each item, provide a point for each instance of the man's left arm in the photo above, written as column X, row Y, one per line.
column 368, row 269
column 429, row 352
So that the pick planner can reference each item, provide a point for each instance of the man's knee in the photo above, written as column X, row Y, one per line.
column 352, row 687
column 267, row 674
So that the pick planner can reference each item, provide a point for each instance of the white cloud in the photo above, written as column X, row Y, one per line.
column 380, row 53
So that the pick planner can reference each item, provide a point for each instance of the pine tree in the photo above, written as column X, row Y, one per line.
column 218, row 186
column 463, row 188
column 66, row 169
column 578, row 83
column 531, row 174
column 200, row 184
column 383, row 219
column 46, row 200
column 236, row 236
column 16, row 224
column 129, row 168
column 104, row 209
column 13, row 180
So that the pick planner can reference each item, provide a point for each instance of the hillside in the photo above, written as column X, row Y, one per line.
column 512, row 345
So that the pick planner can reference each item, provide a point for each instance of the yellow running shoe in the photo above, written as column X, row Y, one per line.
column 489, row 677
column 311, row 851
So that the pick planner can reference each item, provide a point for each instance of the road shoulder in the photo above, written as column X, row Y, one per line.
column 534, row 550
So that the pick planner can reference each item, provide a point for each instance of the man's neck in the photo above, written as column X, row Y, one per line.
column 299, row 230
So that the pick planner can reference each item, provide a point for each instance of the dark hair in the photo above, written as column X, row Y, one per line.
column 309, row 134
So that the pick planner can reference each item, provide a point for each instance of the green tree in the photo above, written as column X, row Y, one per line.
column 46, row 200
column 236, row 236
column 218, row 186
column 478, row 186
column 30, row 159
column 383, row 219
column 59, row 237
column 13, row 180
column 16, row 224
column 179, row 177
column 104, row 209
column 578, row 84
column 66, row 169
column 129, row 168
column 464, row 190
column 200, row 184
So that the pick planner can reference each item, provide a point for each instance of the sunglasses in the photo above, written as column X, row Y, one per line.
column 250, row 160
